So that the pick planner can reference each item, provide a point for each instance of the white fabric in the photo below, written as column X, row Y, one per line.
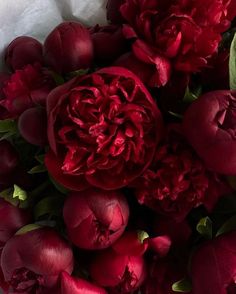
column 37, row 18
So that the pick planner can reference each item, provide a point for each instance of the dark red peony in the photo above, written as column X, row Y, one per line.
column 121, row 268
column 95, row 219
column 176, row 35
column 177, row 180
column 216, row 275
column 22, row 51
column 209, row 126
column 25, row 88
column 72, row 285
column 68, row 47
column 32, row 261
column 103, row 130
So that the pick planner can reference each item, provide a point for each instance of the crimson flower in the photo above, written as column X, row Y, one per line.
column 103, row 129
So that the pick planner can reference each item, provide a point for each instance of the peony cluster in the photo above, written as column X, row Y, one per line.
column 118, row 153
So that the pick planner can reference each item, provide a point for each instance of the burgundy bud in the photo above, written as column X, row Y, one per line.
column 12, row 218
column 32, row 261
column 9, row 158
column 210, row 127
column 94, row 218
column 143, row 70
column 68, row 47
column 113, row 11
column 109, row 43
column 72, row 285
column 216, row 275
column 22, row 51
column 117, row 271
column 32, row 125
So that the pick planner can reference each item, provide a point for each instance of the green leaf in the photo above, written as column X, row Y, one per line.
column 49, row 205
column 7, row 125
column 59, row 187
column 183, row 286
column 228, row 226
column 40, row 158
column 58, row 79
column 19, row 193
column 38, row 169
column 204, row 227
column 176, row 114
column 79, row 72
column 232, row 64
column 142, row 235
column 28, row 228
column 190, row 96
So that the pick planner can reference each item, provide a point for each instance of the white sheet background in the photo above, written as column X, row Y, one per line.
column 37, row 18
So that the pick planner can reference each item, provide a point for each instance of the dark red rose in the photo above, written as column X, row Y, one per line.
column 32, row 125
column 103, row 130
column 118, row 272
column 33, row 261
column 23, row 51
column 176, row 181
column 68, row 47
column 209, row 125
column 216, row 275
column 9, row 158
column 143, row 70
column 95, row 218
column 12, row 218
column 177, row 34
column 109, row 43
column 72, row 285
column 24, row 89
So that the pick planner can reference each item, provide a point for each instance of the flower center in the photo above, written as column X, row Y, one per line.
column 25, row 281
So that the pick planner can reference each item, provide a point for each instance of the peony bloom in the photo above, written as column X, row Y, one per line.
column 216, row 275
column 23, row 51
column 103, row 129
column 12, row 218
column 209, row 126
column 68, row 47
column 113, row 13
column 177, row 179
column 71, row 285
column 33, row 261
column 24, row 89
column 95, row 218
column 141, row 69
column 109, row 43
column 176, row 35
column 122, row 271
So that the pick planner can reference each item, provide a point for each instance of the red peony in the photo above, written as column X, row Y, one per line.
column 177, row 179
column 103, row 130
column 25, row 88
column 72, row 285
column 22, row 51
column 95, row 218
column 216, row 275
column 33, row 261
column 209, row 126
column 176, row 35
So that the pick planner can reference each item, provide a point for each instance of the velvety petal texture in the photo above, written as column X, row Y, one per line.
column 209, row 125
column 33, row 261
column 103, row 129
column 95, row 218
